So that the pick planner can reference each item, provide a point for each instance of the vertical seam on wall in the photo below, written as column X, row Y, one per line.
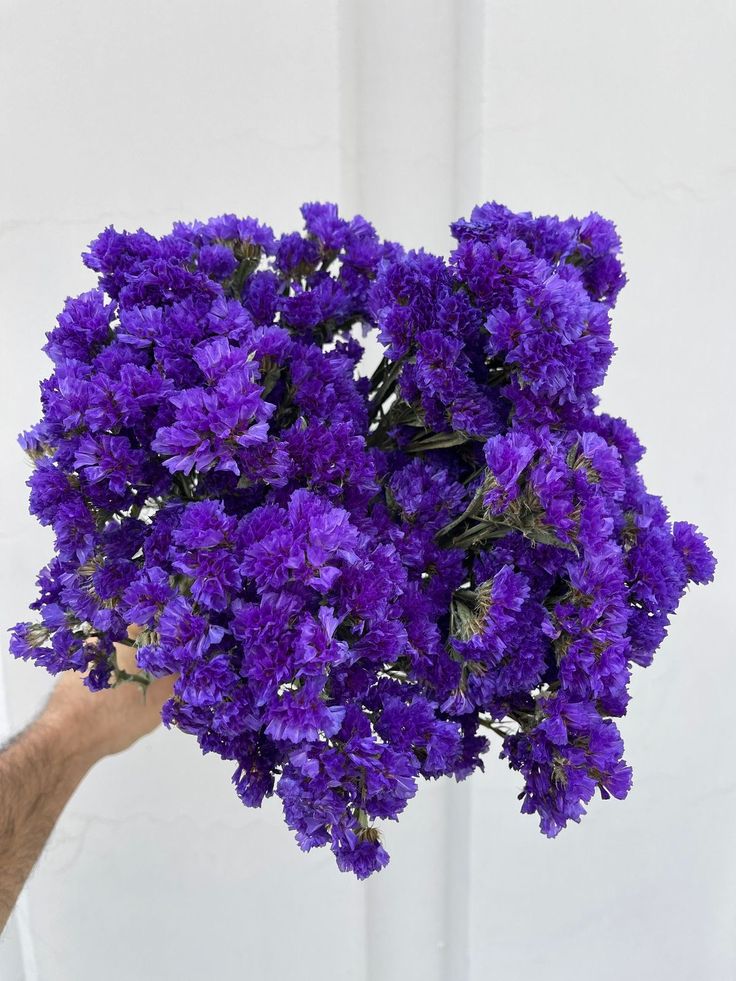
column 349, row 81
column 456, row 848
column 469, row 23
column 465, row 49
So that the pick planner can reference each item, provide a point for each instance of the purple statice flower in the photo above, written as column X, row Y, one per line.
column 506, row 457
column 303, row 715
column 111, row 460
column 569, row 754
column 83, row 328
column 692, row 548
column 216, row 425
column 426, row 494
column 306, row 544
column 358, row 582
column 500, row 636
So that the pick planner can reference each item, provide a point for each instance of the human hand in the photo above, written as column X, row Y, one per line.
column 97, row 724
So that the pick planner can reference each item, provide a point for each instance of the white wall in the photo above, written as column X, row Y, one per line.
column 138, row 113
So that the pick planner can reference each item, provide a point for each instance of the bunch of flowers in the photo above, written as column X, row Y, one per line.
column 356, row 580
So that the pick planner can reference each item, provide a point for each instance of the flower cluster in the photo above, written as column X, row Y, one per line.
column 356, row 580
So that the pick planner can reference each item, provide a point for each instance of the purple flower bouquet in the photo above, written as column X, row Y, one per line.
column 358, row 580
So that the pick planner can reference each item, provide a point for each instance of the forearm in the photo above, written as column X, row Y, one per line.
column 40, row 768
column 39, row 771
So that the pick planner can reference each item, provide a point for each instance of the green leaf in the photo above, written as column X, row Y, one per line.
column 438, row 441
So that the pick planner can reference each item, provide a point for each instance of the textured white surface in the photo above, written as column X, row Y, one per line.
column 409, row 110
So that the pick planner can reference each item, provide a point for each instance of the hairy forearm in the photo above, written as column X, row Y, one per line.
column 40, row 768
column 39, row 771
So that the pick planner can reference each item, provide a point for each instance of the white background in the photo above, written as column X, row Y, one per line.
column 139, row 113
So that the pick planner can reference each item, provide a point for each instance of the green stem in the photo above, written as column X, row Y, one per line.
column 479, row 533
column 475, row 506
column 386, row 387
column 487, row 724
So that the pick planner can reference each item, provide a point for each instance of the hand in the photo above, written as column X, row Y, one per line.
column 97, row 724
